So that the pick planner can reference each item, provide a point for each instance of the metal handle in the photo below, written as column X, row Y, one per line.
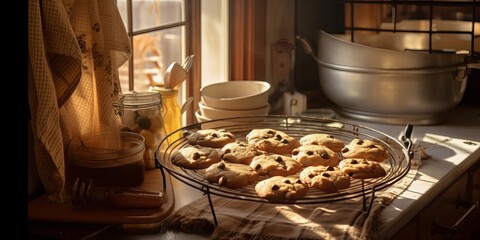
column 453, row 229
column 307, row 48
column 407, row 141
column 475, row 65
column 472, row 60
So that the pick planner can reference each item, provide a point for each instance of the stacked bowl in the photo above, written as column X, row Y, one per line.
column 232, row 102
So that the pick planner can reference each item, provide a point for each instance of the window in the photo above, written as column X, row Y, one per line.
column 157, row 30
column 163, row 31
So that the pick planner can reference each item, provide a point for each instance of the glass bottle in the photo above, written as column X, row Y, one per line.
column 172, row 116
column 141, row 112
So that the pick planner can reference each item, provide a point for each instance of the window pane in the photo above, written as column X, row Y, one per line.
column 152, row 54
column 122, row 8
column 152, row 13
column 214, row 41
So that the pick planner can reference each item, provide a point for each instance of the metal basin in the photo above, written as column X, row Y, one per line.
column 396, row 97
column 389, row 86
column 338, row 49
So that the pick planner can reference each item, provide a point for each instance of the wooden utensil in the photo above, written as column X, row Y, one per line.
column 174, row 75
column 188, row 63
column 178, row 75
column 167, row 76
column 186, row 105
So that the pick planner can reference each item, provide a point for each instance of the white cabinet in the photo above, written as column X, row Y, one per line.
column 442, row 213
column 453, row 214
column 474, row 184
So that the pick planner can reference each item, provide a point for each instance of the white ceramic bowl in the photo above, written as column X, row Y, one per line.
column 214, row 124
column 216, row 113
column 236, row 95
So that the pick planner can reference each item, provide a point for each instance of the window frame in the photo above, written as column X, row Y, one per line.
column 246, row 40
column 193, row 46
column 191, row 23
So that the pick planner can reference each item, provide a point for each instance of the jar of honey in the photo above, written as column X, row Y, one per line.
column 172, row 116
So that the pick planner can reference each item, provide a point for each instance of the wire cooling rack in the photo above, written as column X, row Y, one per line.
column 396, row 165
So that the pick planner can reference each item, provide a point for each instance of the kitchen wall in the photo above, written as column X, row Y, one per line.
column 280, row 24
column 289, row 18
column 310, row 17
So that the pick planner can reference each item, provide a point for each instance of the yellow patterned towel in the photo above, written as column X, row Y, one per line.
column 75, row 49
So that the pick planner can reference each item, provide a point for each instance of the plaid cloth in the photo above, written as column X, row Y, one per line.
column 75, row 49
column 239, row 219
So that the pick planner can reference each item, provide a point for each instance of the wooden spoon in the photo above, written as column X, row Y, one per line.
column 168, row 76
column 186, row 105
column 177, row 76
column 174, row 75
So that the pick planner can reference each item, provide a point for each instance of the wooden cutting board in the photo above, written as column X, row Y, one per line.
column 42, row 209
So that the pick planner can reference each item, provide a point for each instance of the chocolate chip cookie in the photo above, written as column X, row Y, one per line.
column 281, row 188
column 314, row 155
column 230, row 175
column 239, row 152
column 275, row 165
column 361, row 168
column 364, row 148
column 210, row 138
column 272, row 141
column 326, row 178
column 322, row 139
column 195, row 157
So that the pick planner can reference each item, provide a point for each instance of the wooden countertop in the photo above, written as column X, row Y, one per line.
column 42, row 209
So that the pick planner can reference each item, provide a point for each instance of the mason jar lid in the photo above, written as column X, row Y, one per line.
column 140, row 98
column 137, row 100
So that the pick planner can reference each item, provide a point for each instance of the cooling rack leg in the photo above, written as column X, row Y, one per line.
column 211, row 206
column 163, row 178
column 371, row 202
column 363, row 197
column 158, row 165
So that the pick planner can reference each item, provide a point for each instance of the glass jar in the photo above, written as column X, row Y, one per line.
column 172, row 117
column 141, row 112
column 108, row 159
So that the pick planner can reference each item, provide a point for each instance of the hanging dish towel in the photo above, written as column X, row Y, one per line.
column 75, row 49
